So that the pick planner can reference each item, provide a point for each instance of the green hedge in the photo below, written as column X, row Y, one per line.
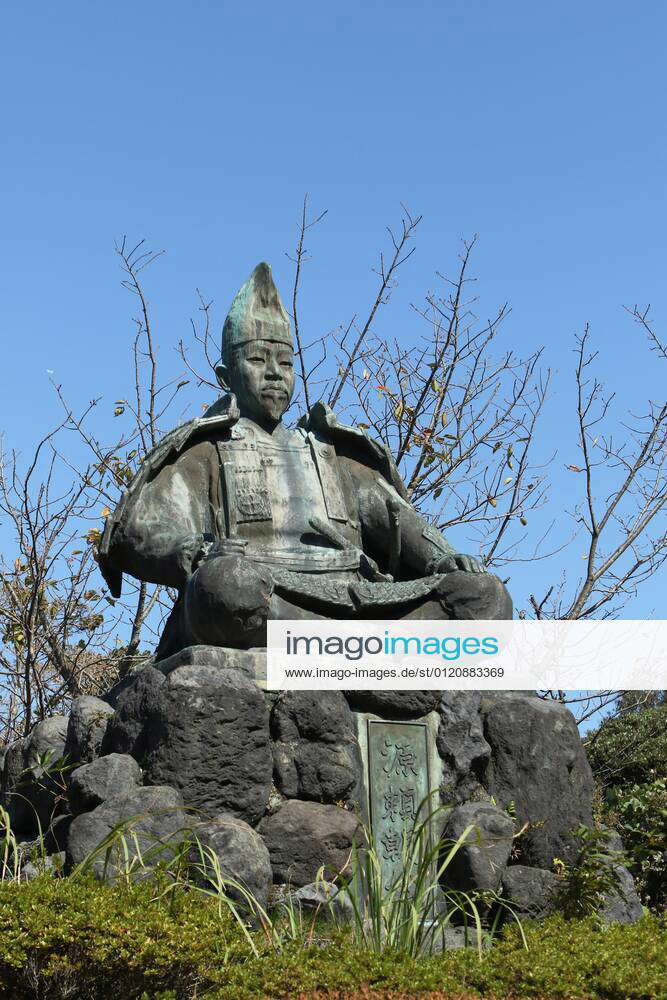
column 62, row 939
column 628, row 755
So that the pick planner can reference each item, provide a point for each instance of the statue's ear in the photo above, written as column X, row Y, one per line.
column 222, row 375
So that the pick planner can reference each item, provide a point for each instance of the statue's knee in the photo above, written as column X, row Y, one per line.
column 226, row 601
column 475, row 596
column 495, row 596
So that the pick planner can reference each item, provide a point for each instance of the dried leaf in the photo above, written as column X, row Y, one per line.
column 105, row 512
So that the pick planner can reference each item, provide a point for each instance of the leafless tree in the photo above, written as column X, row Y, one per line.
column 461, row 417
column 621, row 507
column 62, row 634
column 54, row 618
column 459, row 410
column 458, row 413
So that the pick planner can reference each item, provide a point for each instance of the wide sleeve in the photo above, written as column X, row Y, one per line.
column 161, row 528
column 393, row 532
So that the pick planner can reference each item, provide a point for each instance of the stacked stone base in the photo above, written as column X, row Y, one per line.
column 273, row 784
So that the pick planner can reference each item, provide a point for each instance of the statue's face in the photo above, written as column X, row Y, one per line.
column 261, row 376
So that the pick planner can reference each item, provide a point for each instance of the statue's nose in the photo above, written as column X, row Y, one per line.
column 273, row 370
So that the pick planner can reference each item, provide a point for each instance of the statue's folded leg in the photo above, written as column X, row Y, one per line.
column 465, row 597
column 227, row 602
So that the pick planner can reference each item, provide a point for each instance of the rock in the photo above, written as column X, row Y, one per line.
column 92, row 784
column 394, row 704
column 13, row 774
column 538, row 763
column 203, row 730
column 613, row 843
column 55, row 838
column 461, row 745
column 531, row 892
column 51, row 841
column 480, row 861
column 324, row 897
column 33, row 789
column 241, row 853
column 623, row 906
column 51, row 864
column 136, row 709
column 87, row 725
column 244, row 660
column 157, row 820
column 112, row 695
column 451, row 938
column 303, row 837
column 316, row 753
column 47, row 738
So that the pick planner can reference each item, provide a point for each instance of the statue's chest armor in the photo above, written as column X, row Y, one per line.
column 277, row 486
column 273, row 491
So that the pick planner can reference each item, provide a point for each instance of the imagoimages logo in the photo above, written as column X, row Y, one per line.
column 467, row 656
column 355, row 647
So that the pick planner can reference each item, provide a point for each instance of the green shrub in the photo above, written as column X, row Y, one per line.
column 413, row 912
column 628, row 755
column 628, row 749
column 85, row 940
column 590, row 878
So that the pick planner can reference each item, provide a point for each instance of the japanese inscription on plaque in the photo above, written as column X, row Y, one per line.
column 398, row 787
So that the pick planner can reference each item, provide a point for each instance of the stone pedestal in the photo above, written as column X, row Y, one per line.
column 301, row 772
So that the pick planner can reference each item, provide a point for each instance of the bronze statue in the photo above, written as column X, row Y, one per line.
column 249, row 519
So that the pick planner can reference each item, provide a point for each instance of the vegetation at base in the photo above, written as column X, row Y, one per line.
column 414, row 910
column 628, row 754
column 62, row 938
column 591, row 877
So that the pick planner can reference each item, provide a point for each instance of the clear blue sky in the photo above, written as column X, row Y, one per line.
column 200, row 126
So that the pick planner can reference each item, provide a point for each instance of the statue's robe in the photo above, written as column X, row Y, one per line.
column 322, row 508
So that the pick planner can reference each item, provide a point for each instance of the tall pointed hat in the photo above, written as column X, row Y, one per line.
column 256, row 314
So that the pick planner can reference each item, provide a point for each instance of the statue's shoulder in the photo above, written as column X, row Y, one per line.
column 220, row 416
column 322, row 419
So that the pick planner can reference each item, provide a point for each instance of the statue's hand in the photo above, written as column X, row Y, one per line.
column 192, row 550
column 449, row 564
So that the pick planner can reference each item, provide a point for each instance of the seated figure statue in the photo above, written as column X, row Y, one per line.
column 252, row 520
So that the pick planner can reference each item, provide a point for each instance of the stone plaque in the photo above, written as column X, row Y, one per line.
column 398, row 784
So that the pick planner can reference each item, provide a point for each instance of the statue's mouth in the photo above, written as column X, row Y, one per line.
column 274, row 393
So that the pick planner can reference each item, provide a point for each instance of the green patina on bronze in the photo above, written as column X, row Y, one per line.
column 399, row 787
column 250, row 519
